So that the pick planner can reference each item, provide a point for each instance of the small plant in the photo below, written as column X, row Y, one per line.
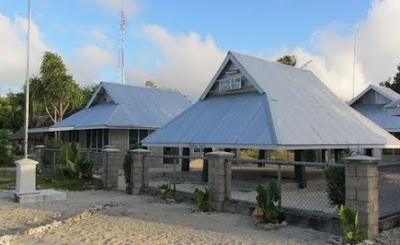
column 72, row 165
column 164, row 191
column 266, row 198
column 128, row 171
column 351, row 227
column 203, row 199
column 336, row 185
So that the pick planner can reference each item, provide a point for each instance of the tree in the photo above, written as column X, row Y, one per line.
column 150, row 84
column 11, row 111
column 288, row 60
column 54, row 89
column 393, row 83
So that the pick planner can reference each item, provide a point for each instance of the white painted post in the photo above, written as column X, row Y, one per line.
column 26, row 176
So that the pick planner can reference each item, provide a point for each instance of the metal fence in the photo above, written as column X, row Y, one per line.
column 246, row 175
column 308, row 196
column 389, row 189
column 171, row 173
column 51, row 157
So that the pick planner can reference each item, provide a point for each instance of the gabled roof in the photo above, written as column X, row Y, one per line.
column 380, row 116
column 124, row 106
column 288, row 108
column 384, row 91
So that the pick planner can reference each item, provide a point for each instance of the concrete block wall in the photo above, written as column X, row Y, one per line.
column 362, row 191
column 113, row 160
column 219, row 177
column 119, row 138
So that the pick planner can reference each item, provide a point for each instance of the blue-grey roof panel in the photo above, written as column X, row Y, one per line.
column 292, row 109
column 131, row 107
column 380, row 116
column 235, row 119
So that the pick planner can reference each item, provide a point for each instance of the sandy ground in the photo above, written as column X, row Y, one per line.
column 117, row 218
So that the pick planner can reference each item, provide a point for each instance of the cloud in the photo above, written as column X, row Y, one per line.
column 13, row 50
column 377, row 51
column 188, row 61
column 92, row 61
column 129, row 6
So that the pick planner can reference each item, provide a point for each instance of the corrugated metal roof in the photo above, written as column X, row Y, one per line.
column 381, row 117
column 387, row 92
column 132, row 107
column 294, row 110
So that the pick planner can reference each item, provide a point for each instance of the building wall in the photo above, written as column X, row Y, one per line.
column 82, row 138
column 119, row 138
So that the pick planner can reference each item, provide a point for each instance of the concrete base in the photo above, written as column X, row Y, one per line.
column 40, row 196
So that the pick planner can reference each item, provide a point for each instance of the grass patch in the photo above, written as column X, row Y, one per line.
column 50, row 181
column 7, row 179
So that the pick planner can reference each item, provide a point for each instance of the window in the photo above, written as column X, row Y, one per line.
column 96, row 139
column 133, row 137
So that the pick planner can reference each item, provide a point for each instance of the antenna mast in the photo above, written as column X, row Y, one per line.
column 121, row 59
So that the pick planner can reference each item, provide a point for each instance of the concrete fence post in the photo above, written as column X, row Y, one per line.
column 362, row 191
column 25, row 177
column 219, row 177
column 140, row 170
column 111, row 162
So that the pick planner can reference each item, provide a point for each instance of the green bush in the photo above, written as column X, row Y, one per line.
column 266, row 198
column 6, row 159
column 336, row 185
column 203, row 199
column 128, row 167
column 127, row 171
column 72, row 164
column 164, row 191
column 350, row 225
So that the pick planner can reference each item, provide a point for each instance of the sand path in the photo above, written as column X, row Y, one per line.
column 124, row 219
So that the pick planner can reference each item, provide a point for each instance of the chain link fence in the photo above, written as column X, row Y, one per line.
column 389, row 189
column 308, row 194
column 171, row 172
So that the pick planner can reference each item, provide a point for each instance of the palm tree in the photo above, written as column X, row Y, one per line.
column 288, row 60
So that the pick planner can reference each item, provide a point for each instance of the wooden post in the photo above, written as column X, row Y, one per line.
column 300, row 170
column 186, row 161
column 204, row 174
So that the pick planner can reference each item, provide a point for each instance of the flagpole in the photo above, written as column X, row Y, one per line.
column 26, row 143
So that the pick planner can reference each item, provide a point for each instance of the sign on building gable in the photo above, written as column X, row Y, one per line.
column 231, row 83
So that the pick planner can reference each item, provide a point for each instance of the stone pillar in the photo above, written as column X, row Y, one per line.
column 362, row 191
column 25, row 177
column 38, row 154
column 111, row 163
column 140, row 170
column 219, row 177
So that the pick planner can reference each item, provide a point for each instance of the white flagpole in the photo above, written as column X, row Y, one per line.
column 27, row 81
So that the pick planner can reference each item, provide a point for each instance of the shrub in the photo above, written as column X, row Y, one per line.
column 72, row 165
column 127, row 171
column 5, row 158
column 203, row 199
column 350, row 225
column 336, row 185
column 128, row 167
column 266, row 198
column 164, row 191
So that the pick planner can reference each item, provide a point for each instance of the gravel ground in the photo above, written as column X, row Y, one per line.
column 112, row 217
